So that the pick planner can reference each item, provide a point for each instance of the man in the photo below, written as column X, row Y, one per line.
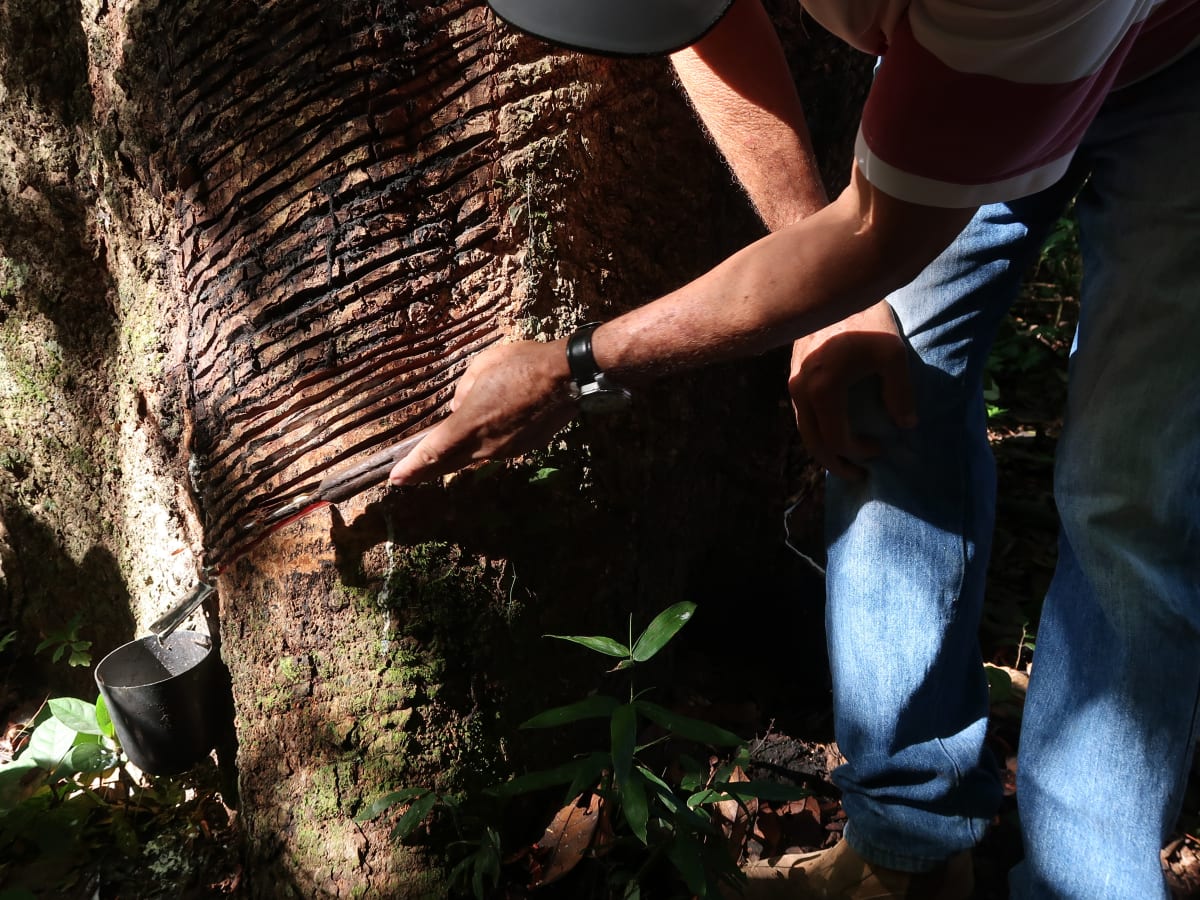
column 984, row 119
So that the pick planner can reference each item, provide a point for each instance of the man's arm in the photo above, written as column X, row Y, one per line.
column 797, row 280
column 738, row 81
column 740, row 86
column 793, row 282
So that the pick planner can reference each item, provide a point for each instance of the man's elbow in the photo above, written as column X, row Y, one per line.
column 908, row 239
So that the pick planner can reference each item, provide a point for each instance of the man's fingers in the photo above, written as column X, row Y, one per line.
column 897, row 391
column 844, row 468
column 832, row 374
column 817, row 444
column 463, row 387
column 810, row 434
column 831, row 409
column 436, row 455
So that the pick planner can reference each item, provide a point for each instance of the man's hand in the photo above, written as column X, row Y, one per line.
column 511, row 399
column 826, row 364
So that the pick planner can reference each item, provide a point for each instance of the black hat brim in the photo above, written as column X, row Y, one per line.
column 615, row 27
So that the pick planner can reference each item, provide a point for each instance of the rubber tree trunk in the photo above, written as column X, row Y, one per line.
column 277, row 232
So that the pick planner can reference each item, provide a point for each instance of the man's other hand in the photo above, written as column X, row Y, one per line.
column 826, row 364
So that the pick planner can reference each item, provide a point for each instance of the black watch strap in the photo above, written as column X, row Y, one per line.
column 595, row 391
column 579, row 355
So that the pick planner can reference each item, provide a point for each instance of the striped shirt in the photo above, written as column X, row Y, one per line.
column 978, row 101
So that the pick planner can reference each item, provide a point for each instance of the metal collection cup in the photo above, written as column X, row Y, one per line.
column 167, row 699
column 168, row 694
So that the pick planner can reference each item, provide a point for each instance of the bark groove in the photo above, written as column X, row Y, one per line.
column 341, row 229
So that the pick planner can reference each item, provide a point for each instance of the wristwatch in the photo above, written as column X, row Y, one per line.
column 596, row 392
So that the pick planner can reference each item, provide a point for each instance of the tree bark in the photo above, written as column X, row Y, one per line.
column 244, row 244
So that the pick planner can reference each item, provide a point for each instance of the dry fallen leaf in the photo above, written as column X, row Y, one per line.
column 567, row 839
column 735, row 818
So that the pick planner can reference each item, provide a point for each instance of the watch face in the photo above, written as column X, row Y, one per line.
column 604, row 400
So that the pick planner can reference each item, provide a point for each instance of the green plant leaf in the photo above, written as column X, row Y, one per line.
column 597, row 706
column 79, row 655
column 49, row 743
column 1000, row 686
column 665, row 794
column 697, row 822
column 684, row 816
column 684, row 852
column 693, row 776
column 623, row 731
column 103, row 719
column 662, row 629
column 88, row 759
column 483, row 863
column 655, row 780
column 687, row 727
column 19, row 764
column 588, row 774
column 599, row 643
column 705, row 795
column 414, row 815
column 76, row 714
column 124, row 834
column 19, row 780
column 584, row 769
column 6, row 640
column 633, row 802
column 771, row 791
column 466, row 869
column 380, row 804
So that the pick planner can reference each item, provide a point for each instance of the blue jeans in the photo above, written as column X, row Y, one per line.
column 1111, row 715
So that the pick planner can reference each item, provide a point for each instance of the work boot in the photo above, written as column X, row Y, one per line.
column 841, row 874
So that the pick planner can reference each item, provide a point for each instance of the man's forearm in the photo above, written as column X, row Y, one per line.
column 802, row 278
column 739, row 83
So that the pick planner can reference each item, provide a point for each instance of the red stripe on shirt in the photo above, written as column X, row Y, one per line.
column 1170, row 29
column 928, row 119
